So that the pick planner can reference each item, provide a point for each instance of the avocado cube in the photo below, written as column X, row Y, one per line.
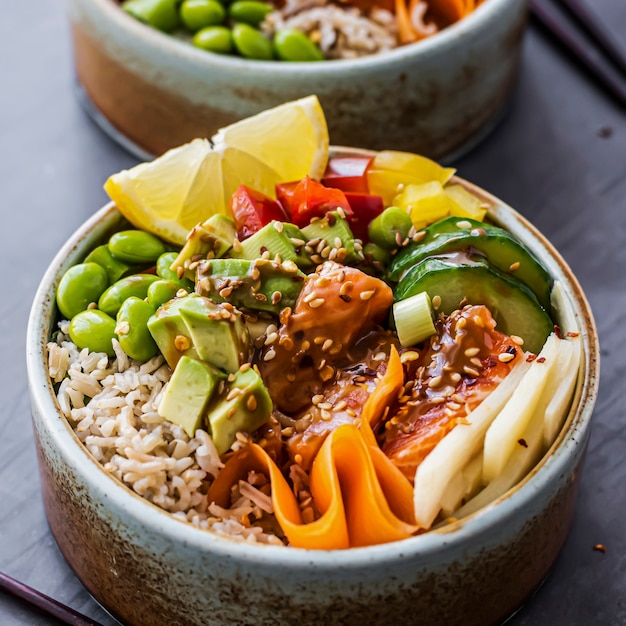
column 218, row 332
column 188, row 393
column 274, row 238
column 243, row 407
column 259, row 285
column 209, row 240
column 169, row 331
column 336, row 232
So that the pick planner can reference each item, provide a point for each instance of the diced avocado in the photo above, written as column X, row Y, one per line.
column 188, row 393
column 115, row 268
column 273, row 239
column 336, row 232
column 198, row 327
column 501, row 249
column 259, row 285
column 169, row 331
column 244, row 406
column 218, row 332
column 457, row 278
column 209, row 240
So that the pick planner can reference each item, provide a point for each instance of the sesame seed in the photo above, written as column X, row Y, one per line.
column 471, row 371
column 478, row 321
column 325, row 406
column 341, row 213
column 434, row 382
column 517, row 340
column 317, row 398
column 233, row 393
column 463, row 224
column 289, row 266
column 398, row 238
column 436, row 302
column 379, row 356
column 455, row 377
column 417, row 237
column 333, row 254
column 327, row 373
column 410, row 355
column 341, row 276
column 122, row 328
column 470, row 352
column 309, row 297
column 457, row 398
column 244, row 367
column 305, row 345
column 319, row 340
column 323, row 281
column 314, row 304
column 505, row 357
column 278, row 226
column 180, row 271
column 462, row 323
column 476, row 361
column 92, row 305
column 351, row 412
column 341, row 254
column 291, row 377
column 298, row 459
column 182, row 343
column 270, row 339
column 366, row 295
column 337, row 242
column 340, row 406
column 297, row 242
column 276, row 297
column 269, row 355
column 327, row 345
column 251, row 403
column 514, row 266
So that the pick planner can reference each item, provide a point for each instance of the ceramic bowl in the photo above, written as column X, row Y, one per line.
column 147, row 567
column 436, row 97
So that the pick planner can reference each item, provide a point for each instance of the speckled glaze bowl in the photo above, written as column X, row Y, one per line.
column 148, row 568
column 437, row 97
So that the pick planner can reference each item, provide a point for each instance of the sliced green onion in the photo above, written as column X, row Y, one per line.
column 413, row 317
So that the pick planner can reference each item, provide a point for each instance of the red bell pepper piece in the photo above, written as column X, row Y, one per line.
column 347, row 173
column 365, row 208
column 252, row 210
column 309, row 199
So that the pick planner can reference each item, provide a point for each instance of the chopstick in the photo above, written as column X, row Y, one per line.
column 44, row 603
column 604, row 38
column 579, row 46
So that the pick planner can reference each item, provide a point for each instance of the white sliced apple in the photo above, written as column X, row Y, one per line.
column 509, row 426
column 457, row 449
column 523, row 458
column 463, row 486
column 569, row 367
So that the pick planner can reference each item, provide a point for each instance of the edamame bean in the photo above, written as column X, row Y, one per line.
column 383, row 229
column 94, row 330
column 197, row 14
column 115, row 269
column 136, row 247
column 160, row 14
column 216, row 39
column 292, row 44
column 132, row 329
column 162, row 291
column 81, row 285
column 163, row 264
column 252, row 43
column 137, row 285
column 249, row 11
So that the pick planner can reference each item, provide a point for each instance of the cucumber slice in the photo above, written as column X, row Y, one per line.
column 502, row 250
column 457, row 279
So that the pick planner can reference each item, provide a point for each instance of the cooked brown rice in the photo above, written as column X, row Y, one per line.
column 111, row 404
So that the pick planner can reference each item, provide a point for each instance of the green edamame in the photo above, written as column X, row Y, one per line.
column 160, row 14
column 392, row 224
column 163, row 265
column 197, row 14
column 137, row 285
column 115, row 268
column 292, row 44
column 250, row 12
column 81, row 285
column 252, row 43
column 136, row 247
column 216, row 39
column 132, row 329
column 94, row 330
column 162, row 291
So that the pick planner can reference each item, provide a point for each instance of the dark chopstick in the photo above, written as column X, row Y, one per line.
column 578, row 46
column 44, row 603
column 605, row 39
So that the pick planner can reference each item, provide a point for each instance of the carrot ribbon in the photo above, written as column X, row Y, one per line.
column 362, row 497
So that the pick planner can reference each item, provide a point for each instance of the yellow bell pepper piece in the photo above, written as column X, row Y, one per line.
column 425, row 203
column 464, row 203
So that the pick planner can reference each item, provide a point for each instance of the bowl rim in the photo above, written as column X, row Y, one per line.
column 481, row 18
column 554, row 463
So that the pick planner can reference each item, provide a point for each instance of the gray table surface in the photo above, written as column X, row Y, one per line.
column 559, row 157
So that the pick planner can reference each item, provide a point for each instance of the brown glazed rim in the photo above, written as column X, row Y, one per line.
column 515, row 502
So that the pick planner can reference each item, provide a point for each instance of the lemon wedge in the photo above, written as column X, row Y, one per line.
column 170, row 195
column 188, row 184
column 291, row 139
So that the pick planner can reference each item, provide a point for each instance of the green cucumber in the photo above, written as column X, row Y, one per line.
column 457, row 279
